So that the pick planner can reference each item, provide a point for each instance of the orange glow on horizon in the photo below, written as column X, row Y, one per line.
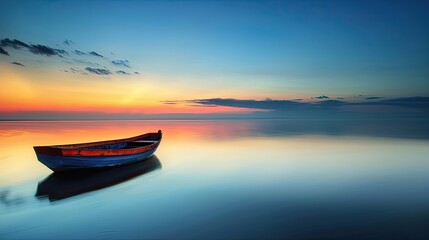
column 128, row 110
column 36, row 90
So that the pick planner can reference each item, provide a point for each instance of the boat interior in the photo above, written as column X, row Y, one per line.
column 123, row 145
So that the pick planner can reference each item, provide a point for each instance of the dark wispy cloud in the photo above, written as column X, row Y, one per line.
column 421, row 103
column 45, row 50
column 77, row 70
column 198, row 105
column 86, row 62
column 17, row 63
column 92, row 53
column 122, row 72
column 37, row 49
column 170, row 102
column 95, row 66
column 13, row 43
column 257, row 104
column 98, row 71
column 330, row 103
column 2, row 51
column 68, row 42
column 411, row 102
column 322, row 97
column 95, row 54
column 123, row 63
column 79, row 52
column 373, row 98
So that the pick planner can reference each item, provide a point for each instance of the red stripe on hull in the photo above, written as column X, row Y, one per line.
column 102, row 152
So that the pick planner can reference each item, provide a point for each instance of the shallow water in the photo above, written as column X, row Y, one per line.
column 301, row 179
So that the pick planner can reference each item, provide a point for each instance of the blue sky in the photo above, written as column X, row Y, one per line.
column 256, row 49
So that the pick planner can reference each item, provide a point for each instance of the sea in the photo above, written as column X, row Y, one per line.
column 223, row 179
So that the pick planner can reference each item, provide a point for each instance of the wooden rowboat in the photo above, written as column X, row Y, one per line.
column 99, row 154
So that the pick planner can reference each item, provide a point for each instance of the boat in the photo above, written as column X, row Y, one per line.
column 61, row 185
column 98, row 154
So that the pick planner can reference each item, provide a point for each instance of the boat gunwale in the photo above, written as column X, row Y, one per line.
column 76, row 149
column 99, row 143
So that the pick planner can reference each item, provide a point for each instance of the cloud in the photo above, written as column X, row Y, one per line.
column 95, row 54
column 37, row 49
column 410, row 102
column 122, row 72
column 98, row 71
column 45, row 50
column 92, row 53
column 197, row 105
column 2, row 51
column 68, row 42
column 170, row 102
column 13, row 43
column 124, row 63
column 331, row 103
column 85, row 62
column 79, row 52
column 373, row 98
column 17, row 63
column 256, row 104
column 322, row 97
column 421, row 103
column 76, row 70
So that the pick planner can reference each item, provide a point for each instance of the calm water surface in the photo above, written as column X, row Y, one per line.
column 297, row 179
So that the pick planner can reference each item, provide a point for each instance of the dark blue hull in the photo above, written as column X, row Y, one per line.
column 64, row 163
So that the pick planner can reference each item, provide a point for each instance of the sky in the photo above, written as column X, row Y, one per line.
column 78, row 58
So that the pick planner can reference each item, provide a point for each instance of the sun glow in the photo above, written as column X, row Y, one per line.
column 47, row 90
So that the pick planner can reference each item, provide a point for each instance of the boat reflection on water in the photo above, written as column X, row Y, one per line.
column 62, row 185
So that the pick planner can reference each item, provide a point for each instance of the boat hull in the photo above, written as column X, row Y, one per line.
column 98, row 155
column 64, row 163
